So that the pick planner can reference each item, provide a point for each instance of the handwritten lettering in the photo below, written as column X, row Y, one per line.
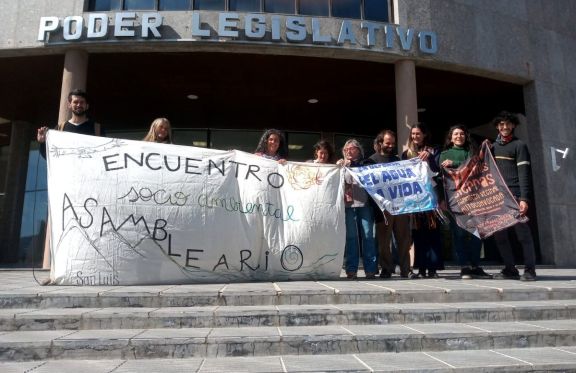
column 159, row 197
column 232, row 205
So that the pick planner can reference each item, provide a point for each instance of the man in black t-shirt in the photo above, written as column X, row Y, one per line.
column 79, row 123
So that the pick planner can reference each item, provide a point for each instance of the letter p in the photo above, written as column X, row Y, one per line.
column 47, row 24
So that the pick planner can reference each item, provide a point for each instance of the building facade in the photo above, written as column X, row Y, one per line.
column 223, row 70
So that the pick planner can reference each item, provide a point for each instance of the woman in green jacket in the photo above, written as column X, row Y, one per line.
column 458, row 148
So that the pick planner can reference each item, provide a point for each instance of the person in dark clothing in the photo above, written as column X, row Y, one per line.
column 513, row 161
column 426, row 233
column 79, row 123
column 385, row 146
column 458, row 148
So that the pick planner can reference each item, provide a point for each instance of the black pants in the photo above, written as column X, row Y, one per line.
column 524, row 236
column 428, row 248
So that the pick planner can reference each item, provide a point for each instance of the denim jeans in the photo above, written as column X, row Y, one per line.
column 466, row 245
column 360, row 231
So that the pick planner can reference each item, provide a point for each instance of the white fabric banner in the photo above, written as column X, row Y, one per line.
column 399, row 187
column 131, row 212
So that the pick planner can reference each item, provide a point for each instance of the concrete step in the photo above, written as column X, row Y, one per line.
column 27, row 294
column 546, row 359
column 283, row 315
column 270, row 341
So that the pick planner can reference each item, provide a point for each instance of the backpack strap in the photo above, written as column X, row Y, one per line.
column 97, row 129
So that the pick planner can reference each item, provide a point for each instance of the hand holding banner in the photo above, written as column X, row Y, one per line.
column 131, row 212
column 478, row 197
column 399, row 187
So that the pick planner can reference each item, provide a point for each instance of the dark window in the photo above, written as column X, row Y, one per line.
column 239, row 140
column 198, row 138
column 314, row 7
column 376, row 10
column 5, row 134
column 104, row 5
column 139, row 4
column 209, row 4
column 34, row 210
column 245, row 5
column 279, row 6
column 174, row 4
column 301, row 145
column 346, row 8
column 128, row 135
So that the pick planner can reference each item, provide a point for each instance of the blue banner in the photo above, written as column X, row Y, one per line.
column 399, row 187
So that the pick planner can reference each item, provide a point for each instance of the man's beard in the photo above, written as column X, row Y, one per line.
column 79, row 113
column 388, row 152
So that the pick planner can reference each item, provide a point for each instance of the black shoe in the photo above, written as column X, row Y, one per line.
column 418, row 275
column 370, row 276
column 466, row 273
column 433, row 274
column 529, row 275
column 478, row 273
column 351, row 275
column 385, row 274
column 508, row 273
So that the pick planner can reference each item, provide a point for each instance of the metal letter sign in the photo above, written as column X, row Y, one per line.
column 553, row 150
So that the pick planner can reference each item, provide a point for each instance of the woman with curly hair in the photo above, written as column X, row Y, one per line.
column 272, row 145
column 458, row 148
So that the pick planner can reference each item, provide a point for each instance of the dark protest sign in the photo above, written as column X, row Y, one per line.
column 478, row 197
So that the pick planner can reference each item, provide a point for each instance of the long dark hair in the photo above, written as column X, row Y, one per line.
column 469, row 144
column 326, row 145
column 263, row 143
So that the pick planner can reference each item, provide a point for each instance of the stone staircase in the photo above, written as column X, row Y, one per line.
column 444, row 324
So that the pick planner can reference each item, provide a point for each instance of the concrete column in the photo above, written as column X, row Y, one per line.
column 74, row 76
column 406, row 100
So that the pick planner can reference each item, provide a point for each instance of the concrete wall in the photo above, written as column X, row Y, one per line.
column 530, row 42
column 514, row 39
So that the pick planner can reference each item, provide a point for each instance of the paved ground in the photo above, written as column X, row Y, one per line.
column 433, row 310
column 29, row 277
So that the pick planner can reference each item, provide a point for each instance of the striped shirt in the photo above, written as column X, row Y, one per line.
column 513, row 161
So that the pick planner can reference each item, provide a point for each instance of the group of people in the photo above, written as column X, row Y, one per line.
column 371, row 233
column 424, row 229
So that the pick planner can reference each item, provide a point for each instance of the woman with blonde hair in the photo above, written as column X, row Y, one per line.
column 160, row 131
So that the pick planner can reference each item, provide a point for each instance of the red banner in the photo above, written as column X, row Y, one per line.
column 478, row 196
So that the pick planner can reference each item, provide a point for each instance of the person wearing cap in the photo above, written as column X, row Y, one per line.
column 513, row 161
